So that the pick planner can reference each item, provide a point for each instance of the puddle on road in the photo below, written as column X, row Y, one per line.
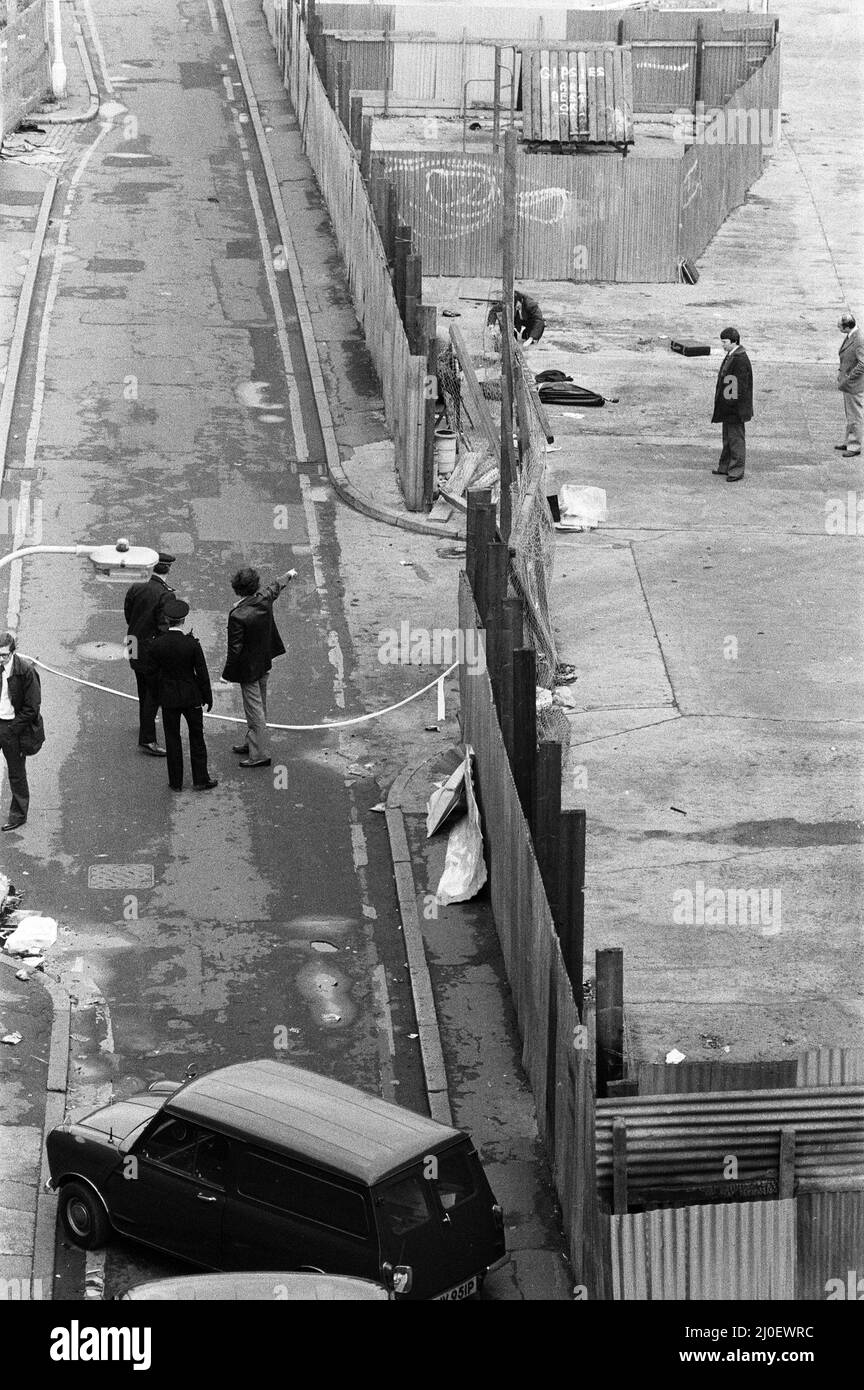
column 327, row 993
column 254, row 394
column 102, row 651
column 782, row 833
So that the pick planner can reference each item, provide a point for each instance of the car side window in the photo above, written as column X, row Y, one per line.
column 211, row 1159
column 171, row 1143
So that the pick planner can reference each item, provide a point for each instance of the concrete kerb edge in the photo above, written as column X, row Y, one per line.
column 44, row 1234
column 431, row 1051
column 22, row 318
column 337, row 475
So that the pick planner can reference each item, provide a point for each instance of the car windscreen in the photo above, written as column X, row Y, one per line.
column 119, row 1119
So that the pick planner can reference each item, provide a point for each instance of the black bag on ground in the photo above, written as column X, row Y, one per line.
column 552, row 374
column 568, row 393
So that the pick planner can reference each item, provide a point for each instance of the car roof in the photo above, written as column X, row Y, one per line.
column 311, row 1117
column 256, row 1286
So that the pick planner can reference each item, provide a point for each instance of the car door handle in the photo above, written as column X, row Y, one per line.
column 207, row 1197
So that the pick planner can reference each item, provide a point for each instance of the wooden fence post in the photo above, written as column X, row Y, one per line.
column 355, row 122
column 547, row 819
column 345, row 94
column 413, row 299
column 525, row 728
column 366, row 144
column 427, row 341
column 619, row 1167
column 392, row 220
column 698, row 105
column 512, row 636
column 610, row 1017
column 571, row 899
column 497, row 562
column 786, row 1166
column 403, row 251
column 478, row 497
column 485, row 534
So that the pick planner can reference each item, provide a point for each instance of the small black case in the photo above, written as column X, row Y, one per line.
column 688, row 347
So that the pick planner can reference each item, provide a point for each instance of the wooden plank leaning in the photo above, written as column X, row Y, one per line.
column 479, row 406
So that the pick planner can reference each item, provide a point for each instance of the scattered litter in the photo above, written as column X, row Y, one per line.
column 555, row 448
column 21, row 975
column 544, row 698
column 280, row 260
column 582, row 508
column 379, row 807
column 674, row 1057
column 413, row 1035
column 34, row 935
column 432, row 728
column 565, row 673
column 447, row 800
column 323, row 946
column 450, row 314
column 12, row 1038
column 331, row 1018
column 563, row 697
column 712, row 1040
column 678, row 809
column 464, row 866
column 726, row 1048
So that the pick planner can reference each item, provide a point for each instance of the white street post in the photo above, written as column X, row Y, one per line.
column 58, row 67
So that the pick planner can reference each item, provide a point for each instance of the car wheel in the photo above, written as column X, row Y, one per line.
column 83, row 1216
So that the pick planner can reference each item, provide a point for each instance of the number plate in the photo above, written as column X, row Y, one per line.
column 461, row 1291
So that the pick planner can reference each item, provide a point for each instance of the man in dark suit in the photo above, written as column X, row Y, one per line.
column 733, row 404
column 253, row 642
column 145, row 619
column 182, row 687
column 20, row 699
column 850, row 380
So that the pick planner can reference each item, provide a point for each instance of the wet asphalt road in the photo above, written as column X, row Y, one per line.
column 154, row 403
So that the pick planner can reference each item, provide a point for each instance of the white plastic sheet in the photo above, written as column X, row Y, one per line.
column 32, row 936
column 464, row 867
column 582, row 508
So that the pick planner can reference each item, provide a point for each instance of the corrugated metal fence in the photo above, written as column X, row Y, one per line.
column 577, row 219
column 728, row 156
column 556, row 1052
column 809, row 1248
column 25, row 72
column 336, row 167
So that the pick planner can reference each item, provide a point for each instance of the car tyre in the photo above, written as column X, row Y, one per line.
column 83, row 1215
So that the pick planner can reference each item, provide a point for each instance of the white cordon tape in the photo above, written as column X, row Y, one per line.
column 233, row 719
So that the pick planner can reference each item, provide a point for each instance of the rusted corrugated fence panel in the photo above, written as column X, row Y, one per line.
column 25, row 74
column 436, row 71
column 478, row 21
column 555, row 1058
column 675, row 26
column 727, row 65
column 663, row 1079
column 344, row 16
column 578, row 96
column 831, row 1066
column 369, row 59
column 677, row 1143
column 830, row 1246
column 664, row 76
column 737, row 1251
column 335, row 165
column 728, row 156
column 579, row 219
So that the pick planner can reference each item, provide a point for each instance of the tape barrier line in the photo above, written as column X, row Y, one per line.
column 233, row 719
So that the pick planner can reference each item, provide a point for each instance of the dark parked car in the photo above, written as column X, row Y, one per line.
column 262, row 1166
column 258, row 1288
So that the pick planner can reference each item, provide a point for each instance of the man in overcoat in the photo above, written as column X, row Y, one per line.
column 850, row 382
column 733, row 404
column 182, row 687
column 142, row 608
column 253, row 642
column 20, row 701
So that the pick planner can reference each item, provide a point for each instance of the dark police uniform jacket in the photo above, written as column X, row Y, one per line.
column 179, row 670
column 142, row 609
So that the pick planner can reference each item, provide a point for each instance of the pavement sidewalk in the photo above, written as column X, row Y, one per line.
column 470, row 1041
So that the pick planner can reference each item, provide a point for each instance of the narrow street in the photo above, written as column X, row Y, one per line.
column 164, row 397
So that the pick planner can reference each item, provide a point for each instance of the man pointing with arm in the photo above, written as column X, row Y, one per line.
column 253, row 642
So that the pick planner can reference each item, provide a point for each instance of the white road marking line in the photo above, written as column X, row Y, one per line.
column 229, row 87
column 359, row 850
column 13, row 606
column 214, row 21
column 300, row 444
column 97, row 44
